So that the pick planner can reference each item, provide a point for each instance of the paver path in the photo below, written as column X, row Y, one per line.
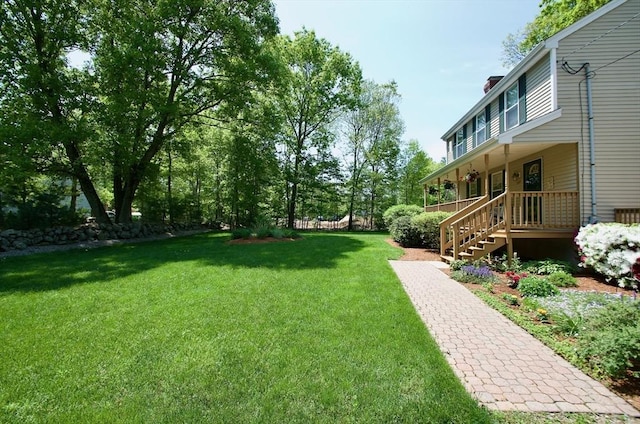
column 499, row 363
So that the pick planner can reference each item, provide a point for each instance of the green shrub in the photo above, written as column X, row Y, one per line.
column 240, row 233
column 277, row 233
column 568, row 324
column 610, row 341
column 395, row 212
column 562, row 279
column 501, row 264
column 404, row 232
column 547, row 267
column 511, row 299
column 428, row 226
column 263, row 232
column 535, row 286
column 457, row 264
column 289, row 233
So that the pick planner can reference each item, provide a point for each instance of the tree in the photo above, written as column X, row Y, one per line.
column 554, row 16
column 384, row 129
column 156, row 67
column 49, row 101
column 162, row 65
column 320, row 82
column 372, row 132
column 415, row 165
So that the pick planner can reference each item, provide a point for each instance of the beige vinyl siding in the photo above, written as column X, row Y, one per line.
column 539, row 89
column 469, row 136
column 495, row 119
column 616, row 109
column 616, row 106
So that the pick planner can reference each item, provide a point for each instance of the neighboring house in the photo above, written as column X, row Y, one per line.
column 553, row 145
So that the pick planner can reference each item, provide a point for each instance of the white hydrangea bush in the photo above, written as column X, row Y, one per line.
column 611, row 249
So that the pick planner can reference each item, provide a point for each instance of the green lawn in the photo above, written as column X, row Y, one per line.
column 195, row 330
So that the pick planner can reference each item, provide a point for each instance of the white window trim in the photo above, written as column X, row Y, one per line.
column 458, row 142
column 479, row 140
column 515, row 106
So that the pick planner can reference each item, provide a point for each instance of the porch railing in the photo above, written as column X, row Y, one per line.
column 446, row 233
column 534, row 210
column 545, row 209
column 451, row 206
column 627, row 215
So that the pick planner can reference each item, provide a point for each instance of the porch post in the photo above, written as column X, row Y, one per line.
column 507, row 206
column 486, row 172
column 457, row 188
column 439, row 193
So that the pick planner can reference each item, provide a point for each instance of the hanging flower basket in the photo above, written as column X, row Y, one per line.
column 449, row 185
column 433, row 191
column 471, row 176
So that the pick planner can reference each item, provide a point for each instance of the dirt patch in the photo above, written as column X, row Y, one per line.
column 629, row 389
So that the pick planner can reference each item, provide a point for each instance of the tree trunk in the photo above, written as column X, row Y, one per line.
column 291, row 216
column 74, row 194
column 169, row 194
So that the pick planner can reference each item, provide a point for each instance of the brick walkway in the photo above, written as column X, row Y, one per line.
column 500, row 364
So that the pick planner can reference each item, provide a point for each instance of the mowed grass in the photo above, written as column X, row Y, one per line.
column 197, row 330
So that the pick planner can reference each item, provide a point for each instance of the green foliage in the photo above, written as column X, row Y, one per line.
column 428, row 226
column 488, row 287
column 610, row 341
column 396, row 211
column 241, row 233
column 547, row 267
column 289, row 233
column 536, row 287
column 568, row 324
column 501, row 264
column 554, row 16
column 511, row 299
column 404, row 232
column 416, row 164
column 420, row 230
column 562, row 279
column 457, row 264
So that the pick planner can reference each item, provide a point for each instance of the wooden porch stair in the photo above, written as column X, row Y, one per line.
column 489, row 224
column 484, row 244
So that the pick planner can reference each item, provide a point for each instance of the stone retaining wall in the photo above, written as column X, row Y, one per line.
column 23, row 239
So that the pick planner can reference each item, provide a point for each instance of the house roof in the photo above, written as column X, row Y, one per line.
column 525, row 64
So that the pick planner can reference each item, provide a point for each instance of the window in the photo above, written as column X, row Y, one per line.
column 460, row 143
column 511, row 112
column 497, row 184
column 481, row 129
column 512, row 105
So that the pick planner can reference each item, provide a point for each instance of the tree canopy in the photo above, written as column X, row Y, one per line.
column 554, row 16
column 190, row 110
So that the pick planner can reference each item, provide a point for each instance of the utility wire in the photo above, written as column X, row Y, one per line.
column 600, row 36
column 617, row 60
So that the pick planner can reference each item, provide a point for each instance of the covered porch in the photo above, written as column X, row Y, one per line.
column 512, row 198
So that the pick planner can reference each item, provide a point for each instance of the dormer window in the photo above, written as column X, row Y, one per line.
column 511, row 112
column 460, row 143
column 512, row 105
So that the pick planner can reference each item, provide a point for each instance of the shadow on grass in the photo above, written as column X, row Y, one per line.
column 51, row 271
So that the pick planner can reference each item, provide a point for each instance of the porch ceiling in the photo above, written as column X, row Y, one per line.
column 475, row 160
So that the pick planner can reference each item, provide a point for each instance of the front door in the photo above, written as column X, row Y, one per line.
column 532, row 181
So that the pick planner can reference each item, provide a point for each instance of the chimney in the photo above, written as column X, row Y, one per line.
column 491, row 81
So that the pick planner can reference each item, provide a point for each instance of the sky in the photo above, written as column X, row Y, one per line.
column 439, row 52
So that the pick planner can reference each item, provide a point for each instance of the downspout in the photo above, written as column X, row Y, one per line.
column 592, row 154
